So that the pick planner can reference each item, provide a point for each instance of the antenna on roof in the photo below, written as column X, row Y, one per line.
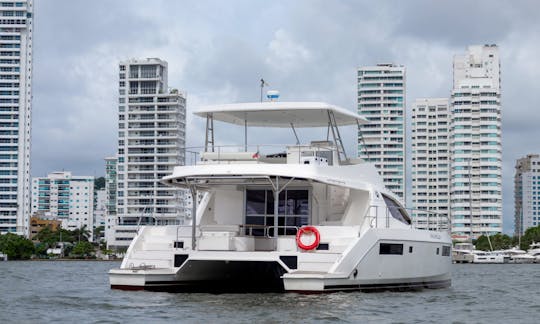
column 263, row 83
column 272, row 95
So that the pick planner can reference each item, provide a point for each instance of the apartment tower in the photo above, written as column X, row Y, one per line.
column 150, row 144
column 381, row 99
column 15, row 114
column 526, row 193
column 64, row 197
column 430, row 161
column 476, row 182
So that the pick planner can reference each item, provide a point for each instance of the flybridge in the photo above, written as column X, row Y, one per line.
column 281, row 115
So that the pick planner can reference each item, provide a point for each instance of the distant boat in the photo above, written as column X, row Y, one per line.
column 465, row 253
column 519, row 256
column 534, row 250
column 462, row 253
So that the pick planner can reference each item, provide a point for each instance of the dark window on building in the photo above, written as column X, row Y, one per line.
column 410, row 249
column 437, row 251
column 391, row 248
column 445, row 250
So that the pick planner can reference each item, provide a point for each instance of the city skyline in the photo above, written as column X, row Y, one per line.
column 218, row 54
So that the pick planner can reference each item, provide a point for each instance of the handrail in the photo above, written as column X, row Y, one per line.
column 178, row 227
column 266, row 229
column 194, row 154
column 441, row 222
column 284, row 227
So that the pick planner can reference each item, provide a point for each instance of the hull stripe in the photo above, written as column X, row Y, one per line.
column 202, row 286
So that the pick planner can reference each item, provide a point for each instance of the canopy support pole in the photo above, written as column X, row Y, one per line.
column 295, row 135
column 193, row 191
column 209, row 139
column 277, row 190
column 276, row 209
column 337, row 137
column 245, row 134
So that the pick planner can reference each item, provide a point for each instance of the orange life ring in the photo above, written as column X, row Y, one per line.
column 308, row 229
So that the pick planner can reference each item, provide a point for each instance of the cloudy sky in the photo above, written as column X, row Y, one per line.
column 309, row 50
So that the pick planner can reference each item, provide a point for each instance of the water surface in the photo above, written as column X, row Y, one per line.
column 78, row 291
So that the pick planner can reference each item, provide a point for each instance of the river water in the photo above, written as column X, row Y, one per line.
column 78, row 292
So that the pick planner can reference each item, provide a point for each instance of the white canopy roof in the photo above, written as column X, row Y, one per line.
column 362, row 176
column 281, row 114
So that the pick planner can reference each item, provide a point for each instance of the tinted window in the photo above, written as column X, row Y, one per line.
column 390, row 248
column 445, row 250
column 397, row 211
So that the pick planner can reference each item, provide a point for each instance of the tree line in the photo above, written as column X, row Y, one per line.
column 504, row 242
column 75, row 243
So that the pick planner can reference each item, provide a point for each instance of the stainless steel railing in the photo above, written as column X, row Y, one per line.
column 434, row 221
column 259, row 153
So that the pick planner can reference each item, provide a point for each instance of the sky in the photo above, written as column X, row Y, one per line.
column 218, row 51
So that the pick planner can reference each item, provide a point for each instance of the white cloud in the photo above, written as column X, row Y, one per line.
column 286, row 54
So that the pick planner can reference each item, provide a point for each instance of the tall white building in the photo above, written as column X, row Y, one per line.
column 15, row 114
column 430, row 160
column 381, row 99
column 526, row 193
column 150, row 144
column 476, row 182
column 64, row 197
column 100, row 207
column 111, row 179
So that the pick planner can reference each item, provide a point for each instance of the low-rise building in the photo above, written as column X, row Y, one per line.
column 67, row 198
column 37, row 224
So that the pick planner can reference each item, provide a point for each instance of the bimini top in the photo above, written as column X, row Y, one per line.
column 281, row 114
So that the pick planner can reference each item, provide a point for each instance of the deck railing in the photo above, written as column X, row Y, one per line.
column 380, row 217
column 259, row 153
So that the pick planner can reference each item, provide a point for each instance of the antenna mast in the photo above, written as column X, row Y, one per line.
column 263, row 83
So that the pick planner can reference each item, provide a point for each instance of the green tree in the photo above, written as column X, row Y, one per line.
column 98, row 232
column 50, row 237
column 41, row 249
column 82, row 249
column 81, row 234
column 498, row 241
column 16, row 247
column 532, row 234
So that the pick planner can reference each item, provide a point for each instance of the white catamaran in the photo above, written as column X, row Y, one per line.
column 302, row 217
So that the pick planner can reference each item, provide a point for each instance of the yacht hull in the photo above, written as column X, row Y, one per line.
column 261, row 277
column 360, row 266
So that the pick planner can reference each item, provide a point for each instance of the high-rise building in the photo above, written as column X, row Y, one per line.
column 476, row 151
column 15, row 114
column 381, row 99
column 150, row 144
column 110, row 185
column 110, row 189
column 430, row 161
column 526, row 193
column 100, row 207
column 66, row 198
